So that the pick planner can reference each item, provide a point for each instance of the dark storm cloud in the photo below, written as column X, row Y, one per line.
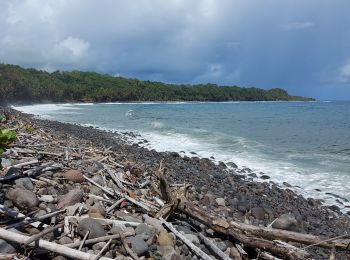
column 303, row 46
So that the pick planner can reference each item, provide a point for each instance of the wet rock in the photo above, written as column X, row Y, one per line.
column 220, row 201
column 286, row 222
column 265, row 177
column 258, row 213
column 71, row 198
column 138, row 245
column 24, row 183
column 92, row 225
column 74, row 175
column 334, row 208
column 22, row 198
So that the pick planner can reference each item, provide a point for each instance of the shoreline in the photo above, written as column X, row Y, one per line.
column 327, row 197
column 257, row 203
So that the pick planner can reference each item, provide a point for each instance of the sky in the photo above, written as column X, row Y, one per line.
column 301, row 46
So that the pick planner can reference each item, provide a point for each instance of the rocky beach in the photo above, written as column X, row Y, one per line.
column 67, row 187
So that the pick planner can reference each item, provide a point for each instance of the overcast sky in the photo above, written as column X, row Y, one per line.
column 302, row 46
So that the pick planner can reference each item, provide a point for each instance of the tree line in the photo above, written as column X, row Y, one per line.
column 20, row 85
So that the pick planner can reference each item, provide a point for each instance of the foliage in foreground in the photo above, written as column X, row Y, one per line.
column 6, row 138
column 18, row 85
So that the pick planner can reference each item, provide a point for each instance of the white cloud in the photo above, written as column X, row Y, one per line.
column 298, row 25
column 74, row 47
column 344, row 73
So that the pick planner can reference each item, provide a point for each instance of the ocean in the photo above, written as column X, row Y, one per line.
column 306, row 144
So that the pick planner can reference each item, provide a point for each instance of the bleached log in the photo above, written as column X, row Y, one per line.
column 50, row 246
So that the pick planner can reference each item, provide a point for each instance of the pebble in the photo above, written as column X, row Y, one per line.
column 99, row 246
column 74, row 176
column 220, row 201
column 65, row 240
column 25, row 183
column 22, row 198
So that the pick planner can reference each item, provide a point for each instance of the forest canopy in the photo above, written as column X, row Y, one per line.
column 20, row 85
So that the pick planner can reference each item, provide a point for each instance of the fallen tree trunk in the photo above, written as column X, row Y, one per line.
column 263, row 232
column 221, row 226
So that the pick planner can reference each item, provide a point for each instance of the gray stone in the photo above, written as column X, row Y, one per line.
column 144, row 229
column 92, row 225
column 138, row 245
column 22, row 198
column 7, row 247
column 220, row 201
column 99, row 246
column 65, row 240
column 286, row 222
column 24, row 183
column 193, row 238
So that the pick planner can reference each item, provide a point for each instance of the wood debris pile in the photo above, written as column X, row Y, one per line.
column 63, row 197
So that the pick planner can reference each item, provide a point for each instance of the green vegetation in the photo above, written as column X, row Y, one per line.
column 6, row 138
column 19, row 85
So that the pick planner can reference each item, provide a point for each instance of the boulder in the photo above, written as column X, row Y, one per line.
column 22, row 198
column 286, row 222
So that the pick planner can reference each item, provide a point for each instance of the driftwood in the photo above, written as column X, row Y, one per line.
column 266, row 233
column 213, row 247
column 53, row 247
column 194, row 248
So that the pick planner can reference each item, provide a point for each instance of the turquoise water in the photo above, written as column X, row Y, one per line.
column 306, row 144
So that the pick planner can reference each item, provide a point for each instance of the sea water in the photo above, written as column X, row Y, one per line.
column 306, row 144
